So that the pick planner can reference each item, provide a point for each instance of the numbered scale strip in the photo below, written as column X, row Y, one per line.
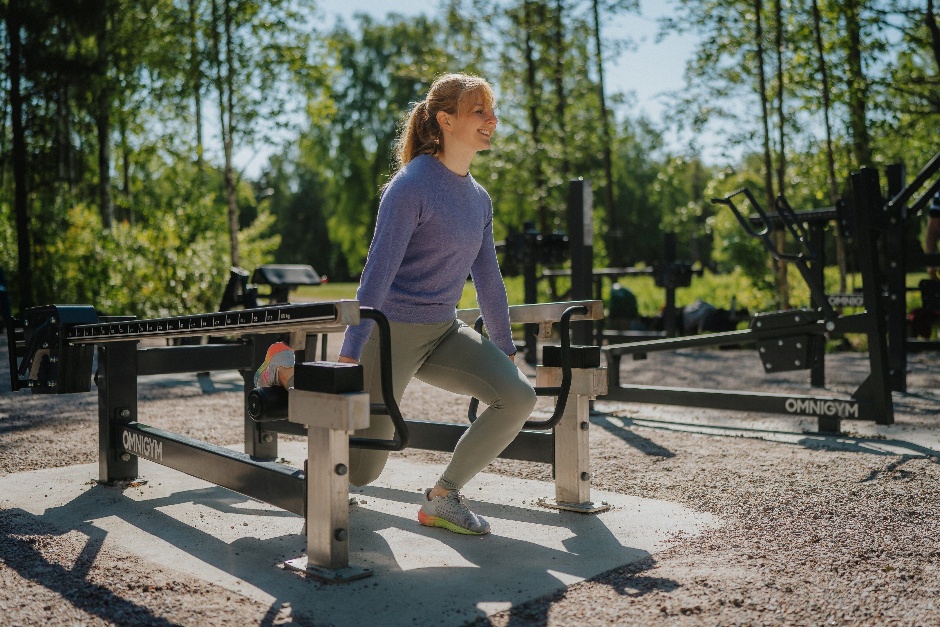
column 321, row 317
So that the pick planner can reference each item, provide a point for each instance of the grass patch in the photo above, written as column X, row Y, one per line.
column 717, row 289
column 326, row 292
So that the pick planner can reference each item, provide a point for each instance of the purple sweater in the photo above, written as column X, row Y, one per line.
column 433, row 230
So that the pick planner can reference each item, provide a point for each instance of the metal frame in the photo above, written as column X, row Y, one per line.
column 320, row 492
column 669, row 274
column 894, row 216
column 872, row 399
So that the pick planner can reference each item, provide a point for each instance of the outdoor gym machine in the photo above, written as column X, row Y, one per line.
column 788, row 340
column 51, row 352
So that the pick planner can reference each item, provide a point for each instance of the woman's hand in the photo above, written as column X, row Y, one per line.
column 347, row 360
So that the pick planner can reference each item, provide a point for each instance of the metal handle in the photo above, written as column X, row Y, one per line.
column 763, row 234
column 562, row 391
column 389, row 406
column 932, row 167
column 792, row 224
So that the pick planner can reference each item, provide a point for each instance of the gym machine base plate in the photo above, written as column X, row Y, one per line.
column 328, row 575
column 587, row 507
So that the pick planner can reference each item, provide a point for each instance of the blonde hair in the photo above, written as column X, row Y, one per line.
column 420, row 133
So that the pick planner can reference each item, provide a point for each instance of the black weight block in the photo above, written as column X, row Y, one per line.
column 787, row 353
column 328, row 377
column 581, row 356
column 60, row 367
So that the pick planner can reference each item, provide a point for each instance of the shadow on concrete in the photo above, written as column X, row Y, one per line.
column 628, row 581
column 252, row 559
column 207, row 383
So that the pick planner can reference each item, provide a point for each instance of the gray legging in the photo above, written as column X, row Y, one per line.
column 454, row 357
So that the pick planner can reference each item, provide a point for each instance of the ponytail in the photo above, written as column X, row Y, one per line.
column 419, row 135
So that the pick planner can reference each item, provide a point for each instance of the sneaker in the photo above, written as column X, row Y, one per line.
column 278, row 356
column 452, row 513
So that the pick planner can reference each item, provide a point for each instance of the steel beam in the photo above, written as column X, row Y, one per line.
column 277, row 484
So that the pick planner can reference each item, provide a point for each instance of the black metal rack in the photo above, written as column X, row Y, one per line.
column 791, row 340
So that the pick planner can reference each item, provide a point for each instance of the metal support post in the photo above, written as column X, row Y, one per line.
column 896, row 274
column 330, row 420
column 866, row 196
column 581, row 242
column 530, row 290
column 572, row 438
column 117, row 406
column 670, row 313
column 817, row 246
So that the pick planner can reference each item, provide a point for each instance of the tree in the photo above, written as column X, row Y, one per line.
column 830, row 154
column 258, row 50
column 14, row 24
column 857, row 83
column 532, row 14
column 614, row 230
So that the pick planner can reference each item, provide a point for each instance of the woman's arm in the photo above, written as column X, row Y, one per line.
column 491, row 293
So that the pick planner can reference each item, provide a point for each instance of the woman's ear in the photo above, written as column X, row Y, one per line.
column 443, row 120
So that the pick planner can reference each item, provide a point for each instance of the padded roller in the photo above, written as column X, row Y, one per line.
column 267, row 404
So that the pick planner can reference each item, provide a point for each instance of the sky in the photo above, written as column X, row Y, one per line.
column 648, row 71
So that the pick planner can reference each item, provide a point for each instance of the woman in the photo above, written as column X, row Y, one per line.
column 434, row 228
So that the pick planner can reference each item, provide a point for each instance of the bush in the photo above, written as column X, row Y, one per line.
column 164, row 269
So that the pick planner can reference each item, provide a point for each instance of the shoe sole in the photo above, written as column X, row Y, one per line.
column 436, row 521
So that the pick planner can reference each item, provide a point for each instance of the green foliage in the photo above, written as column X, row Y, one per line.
column 7, row 239
column 173, row 261
column 679, row 191
column 299, row 194
column 148, row 68
column 548, row 129
column 377, row 71
column 141, row 271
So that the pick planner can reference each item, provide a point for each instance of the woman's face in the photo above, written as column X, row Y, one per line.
column 473, row 127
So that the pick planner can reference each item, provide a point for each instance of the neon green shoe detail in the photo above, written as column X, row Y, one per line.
column 452, row 513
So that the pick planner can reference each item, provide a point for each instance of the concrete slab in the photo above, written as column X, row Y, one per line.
column 193, row 527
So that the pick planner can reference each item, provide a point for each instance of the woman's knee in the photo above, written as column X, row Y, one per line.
column 518, row 396
column 366, row 466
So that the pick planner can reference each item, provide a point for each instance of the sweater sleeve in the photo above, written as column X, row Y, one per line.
column 491, row 293
column 397, row 219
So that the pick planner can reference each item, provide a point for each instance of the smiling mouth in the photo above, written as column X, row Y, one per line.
column 485, row 133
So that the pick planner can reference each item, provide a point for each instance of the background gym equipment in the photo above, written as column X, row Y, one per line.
column 789, row 340
column 279, row 278
column 669, row 274
column 523, row 252
column 904, row 204
column 52, row 353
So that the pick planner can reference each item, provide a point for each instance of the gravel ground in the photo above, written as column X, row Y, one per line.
column 836, row 530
